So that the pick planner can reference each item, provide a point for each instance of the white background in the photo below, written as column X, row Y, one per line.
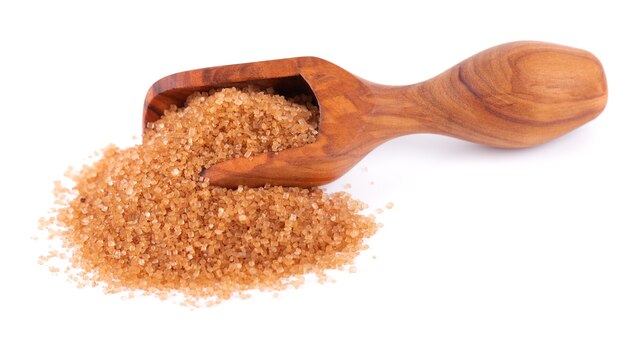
column 481, row 243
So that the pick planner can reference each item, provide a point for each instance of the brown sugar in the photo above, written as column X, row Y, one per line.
column 143, row 219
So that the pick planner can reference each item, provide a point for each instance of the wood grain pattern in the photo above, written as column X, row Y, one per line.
column 515, row 95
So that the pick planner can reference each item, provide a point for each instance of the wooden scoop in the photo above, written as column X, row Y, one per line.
column 514, row 95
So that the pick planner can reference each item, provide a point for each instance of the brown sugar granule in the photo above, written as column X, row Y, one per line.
column 143, row 219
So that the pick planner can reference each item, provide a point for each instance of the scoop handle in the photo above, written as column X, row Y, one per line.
column 513, row 95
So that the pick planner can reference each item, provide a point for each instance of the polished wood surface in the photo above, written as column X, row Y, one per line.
column 514, row 95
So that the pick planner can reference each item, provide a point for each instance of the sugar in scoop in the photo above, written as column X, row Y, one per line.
column 143, row 219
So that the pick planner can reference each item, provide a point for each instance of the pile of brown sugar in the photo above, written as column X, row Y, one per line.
column 142, row 218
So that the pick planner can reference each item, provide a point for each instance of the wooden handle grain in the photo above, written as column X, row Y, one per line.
column 514, row 95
